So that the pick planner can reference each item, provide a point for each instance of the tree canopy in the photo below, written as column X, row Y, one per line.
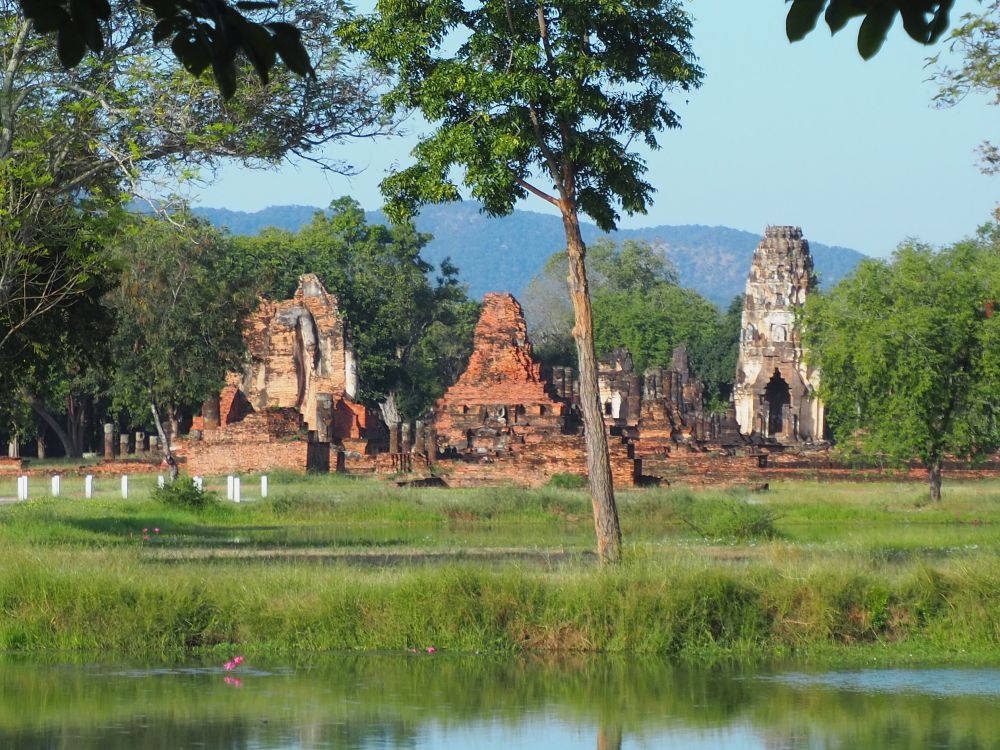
column 541, row 97
column 909, row 352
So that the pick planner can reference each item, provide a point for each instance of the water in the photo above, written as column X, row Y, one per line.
column 424, row 702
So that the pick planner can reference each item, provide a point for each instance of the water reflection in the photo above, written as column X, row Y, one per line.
column 441, row 701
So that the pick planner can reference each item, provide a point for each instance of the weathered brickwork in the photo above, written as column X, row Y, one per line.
column 293, row 405
column 501, row 399
column 775, row 391
column 503, row 422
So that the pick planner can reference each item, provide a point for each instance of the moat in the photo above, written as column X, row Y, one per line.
column 436, row 700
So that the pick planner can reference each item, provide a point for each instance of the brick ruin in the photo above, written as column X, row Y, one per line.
column 504, row 421
column 775, row 390
column 293, row 405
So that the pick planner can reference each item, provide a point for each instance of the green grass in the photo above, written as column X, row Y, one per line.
column 329, row 563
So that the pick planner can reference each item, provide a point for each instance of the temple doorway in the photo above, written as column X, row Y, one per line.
column 777, row 395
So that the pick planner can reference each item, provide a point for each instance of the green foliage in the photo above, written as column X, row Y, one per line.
column 184, row 493
column 977, row 41
column 909, row 355
column 413, row 335
column 179, row 308
column 924, row 20
column 728, row 519
column 567, row 481
column 202, row 35
column 563, row 86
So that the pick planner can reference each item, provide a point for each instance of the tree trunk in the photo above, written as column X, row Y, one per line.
column 609, row 738
column 76, row 422
column 164, row 443
column 934, row 475
column 602, row 493
column 39, row 408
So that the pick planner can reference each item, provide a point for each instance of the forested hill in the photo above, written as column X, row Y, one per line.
column 504, row 254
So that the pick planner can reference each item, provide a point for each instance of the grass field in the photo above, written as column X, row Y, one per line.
column 331, row 563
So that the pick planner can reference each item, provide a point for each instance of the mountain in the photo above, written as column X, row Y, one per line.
column 503, row 254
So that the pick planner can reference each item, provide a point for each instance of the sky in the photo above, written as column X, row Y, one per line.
column 808, row 134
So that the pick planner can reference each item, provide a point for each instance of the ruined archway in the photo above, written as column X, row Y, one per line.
column 777, row 394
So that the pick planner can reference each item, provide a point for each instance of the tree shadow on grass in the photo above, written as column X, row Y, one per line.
column 196, row 535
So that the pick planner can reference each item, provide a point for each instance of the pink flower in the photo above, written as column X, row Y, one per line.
column 231, row 665
column 145, row 537
column 431, row 649
column 234, row 681
column 156, row 530
column 145, row 531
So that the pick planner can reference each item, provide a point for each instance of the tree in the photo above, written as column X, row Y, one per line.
column 977, row 41
column 73, row 144
column 529, row 90
column 411, row 335
column 909, row 352
column 924, row 20
column 179, row 310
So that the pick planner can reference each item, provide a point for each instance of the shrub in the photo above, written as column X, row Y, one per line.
column 731, row 520
column 568, row 481
column 184, row 493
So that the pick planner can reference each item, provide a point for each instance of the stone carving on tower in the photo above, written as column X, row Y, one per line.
column 775, row 390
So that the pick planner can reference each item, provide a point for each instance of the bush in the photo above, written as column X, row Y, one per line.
column 184, row 493
column 730, row 520
column 568, row 481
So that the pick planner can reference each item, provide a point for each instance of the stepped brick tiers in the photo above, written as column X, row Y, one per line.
column 775, row 391
column 503, row 421
column 294, row 400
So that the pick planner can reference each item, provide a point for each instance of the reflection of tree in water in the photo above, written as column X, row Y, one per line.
column 389, row 701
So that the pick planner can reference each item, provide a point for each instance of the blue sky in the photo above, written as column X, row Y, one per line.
column 805, row 134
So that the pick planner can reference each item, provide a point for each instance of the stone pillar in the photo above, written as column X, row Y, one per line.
column 394, row 439
column 140, row 442
column 109, row 440
column 324, row 417
column 13, row 448
column 406, row 446
column 154, row 444
column 418, row 436
column 210, row 413
column 430, row 442
column 123, row 445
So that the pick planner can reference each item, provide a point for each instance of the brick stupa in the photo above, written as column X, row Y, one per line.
column 501, row 399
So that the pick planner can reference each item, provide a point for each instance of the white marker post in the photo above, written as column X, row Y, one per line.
column 22, row 487
column 236, row 489
column 124, row 486
column 160, row 481
column 229, row 487
column 199, row 483
column 263, row 485
column 56, row 485
column 88, row 486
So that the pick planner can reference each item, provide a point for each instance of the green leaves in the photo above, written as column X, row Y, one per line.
column 515, row 113
column 907, row 355
column 204, row 34
column 924, row 20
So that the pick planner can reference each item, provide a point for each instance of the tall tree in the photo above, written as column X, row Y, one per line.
column 540, row 97
column 179, row 310
column 910, row 353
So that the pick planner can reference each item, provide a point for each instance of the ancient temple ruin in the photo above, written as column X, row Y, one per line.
column 775, row 390
column 503, row 421
column 293, row 403
column 501, row 397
